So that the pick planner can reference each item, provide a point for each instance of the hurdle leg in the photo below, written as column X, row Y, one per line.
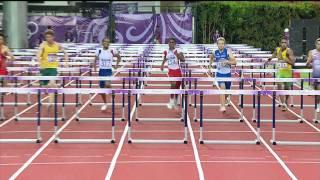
column 182, row 102
column 259, row 118
column 273, row 140
column 16, row 101
column 123, row 101
column 39, row 139
column 56, row 116
column 301, row 103
column 190, row 87
column 137, row 103
column 90, row 86
column 2, row 107
column 186, row 119
column 129, row 118
column 315, row 120
column 201, row 118
column 113, row 119
column 77, row 108
column 254, row 117
column 195, row 102
column 241, row 102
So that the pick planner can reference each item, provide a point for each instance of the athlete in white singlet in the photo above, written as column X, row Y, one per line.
column 314, row 62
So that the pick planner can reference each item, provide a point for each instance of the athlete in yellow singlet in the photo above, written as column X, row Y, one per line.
column 48, row 61
column 285, row 62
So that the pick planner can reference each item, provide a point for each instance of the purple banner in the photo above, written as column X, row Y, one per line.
column 148, row 28
column 67, row 29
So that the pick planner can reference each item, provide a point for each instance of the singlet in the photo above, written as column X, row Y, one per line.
column 171, row 56
column 221, row 57
column 49, row 57
column 315, row 54
column 282, row 66
column 105, row 57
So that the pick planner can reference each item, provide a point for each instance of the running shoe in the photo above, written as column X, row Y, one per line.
column 104, row 107
column 222, row 108
column 171, row 104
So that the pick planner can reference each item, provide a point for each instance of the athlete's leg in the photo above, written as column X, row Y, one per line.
column 222, row 86
column 228, row 96
column 287, row 86
column 104, row 84
column 317, row 87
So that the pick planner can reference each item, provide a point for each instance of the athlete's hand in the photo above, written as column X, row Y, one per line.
column 308, row 65
column 161, row 68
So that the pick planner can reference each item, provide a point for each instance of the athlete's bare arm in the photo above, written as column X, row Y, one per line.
column 309, row 60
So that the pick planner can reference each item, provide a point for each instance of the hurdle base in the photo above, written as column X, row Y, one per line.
column 85, row 141
column 229, row 142
column 153, row 141
column 60, row 104
column 20, row 140
column 18, row 104
column 156, row 104
column 101, row 104
column 35, row 118
column 300, row 120
column 98, row 119
column 281, row 121
column 159, row 119
column 223, row 120
column 295, row 143
column 316, row 121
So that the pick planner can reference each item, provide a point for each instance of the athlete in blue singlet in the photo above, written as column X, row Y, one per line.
column 314, row 58
column 224, row 59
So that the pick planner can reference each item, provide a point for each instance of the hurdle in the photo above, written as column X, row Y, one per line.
column 102, row 141
column 132, row 140
column 228, row 142
column 274, row 141
column 38, row 138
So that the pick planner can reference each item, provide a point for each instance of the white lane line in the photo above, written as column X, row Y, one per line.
column 194, row 147
column 275, row 155
column 195, row 150
column 118, row 151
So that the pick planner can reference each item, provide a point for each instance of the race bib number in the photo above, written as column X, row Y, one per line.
column 223, row 63
column 106, row 63
column 282, row 65
column 52, row 57
column 171, row 60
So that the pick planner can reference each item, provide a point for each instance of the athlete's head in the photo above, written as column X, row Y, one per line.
column 106, row 42
column 318, row 44
column 2, row 39
column 283, row 43
column 221, row 43
column 49, row 36
column 172, row 43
